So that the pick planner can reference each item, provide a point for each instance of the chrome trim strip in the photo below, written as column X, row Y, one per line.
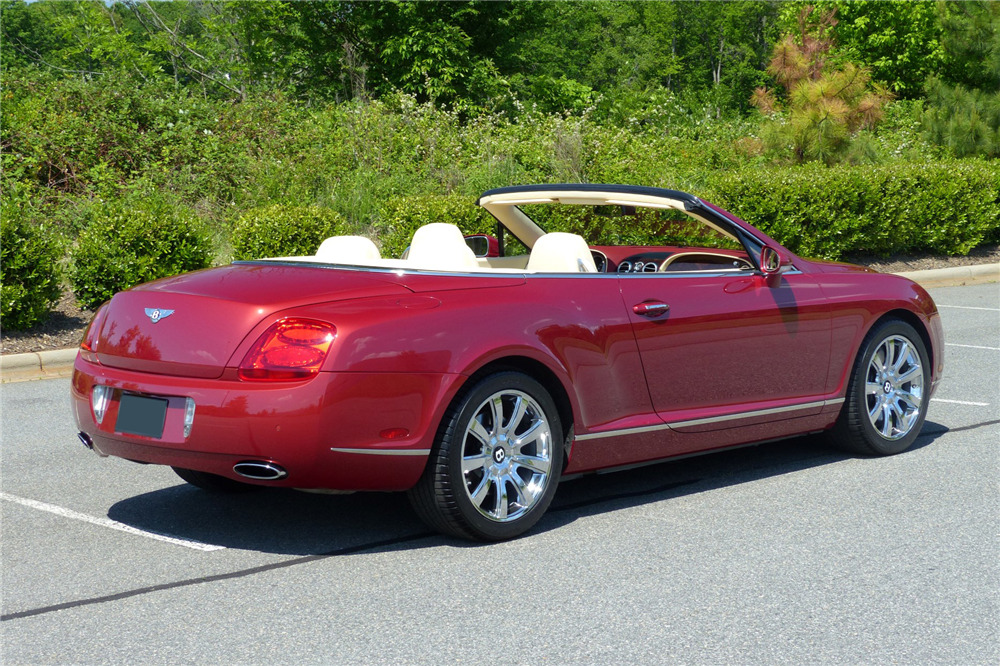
column 625, row 431
column 711, row 419
column 748, row 415
column 385, row 452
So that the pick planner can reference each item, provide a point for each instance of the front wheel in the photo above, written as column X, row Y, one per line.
column 888, row 392
column 496, row 463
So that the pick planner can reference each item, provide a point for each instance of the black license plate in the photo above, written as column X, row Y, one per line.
column 138, row 415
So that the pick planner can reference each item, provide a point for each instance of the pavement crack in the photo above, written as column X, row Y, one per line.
column 943, row 431
column 242, row 573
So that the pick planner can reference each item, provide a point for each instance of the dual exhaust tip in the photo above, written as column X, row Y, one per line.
column 257, row 470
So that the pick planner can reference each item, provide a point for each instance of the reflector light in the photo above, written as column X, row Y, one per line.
column 291, row 349
column 188, row 416
column 394, row 433
column 100, row 398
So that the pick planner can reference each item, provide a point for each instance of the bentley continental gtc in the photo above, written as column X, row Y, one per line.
column 478, row 370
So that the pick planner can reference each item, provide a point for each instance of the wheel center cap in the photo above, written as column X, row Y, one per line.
column 887, row 387
column 499, row 455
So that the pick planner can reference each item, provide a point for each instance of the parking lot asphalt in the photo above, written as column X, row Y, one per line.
column 783, row 553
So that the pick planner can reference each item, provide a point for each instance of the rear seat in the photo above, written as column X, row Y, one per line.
column 441, row 246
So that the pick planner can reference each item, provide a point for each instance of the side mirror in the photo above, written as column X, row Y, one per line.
column 483, row 245
column 772, row 264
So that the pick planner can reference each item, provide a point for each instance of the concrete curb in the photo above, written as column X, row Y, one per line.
column 955, row 276
column 36, row 365
column 59, row 363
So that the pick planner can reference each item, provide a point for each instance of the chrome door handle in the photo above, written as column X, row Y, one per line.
column 650, row 308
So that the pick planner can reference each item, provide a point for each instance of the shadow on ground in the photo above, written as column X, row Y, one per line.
column 291, row 522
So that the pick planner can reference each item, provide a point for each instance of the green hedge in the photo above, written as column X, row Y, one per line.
column 399, row 217
column 944, row 208
column 121, row 248
column 29, row 270
column 283, row 231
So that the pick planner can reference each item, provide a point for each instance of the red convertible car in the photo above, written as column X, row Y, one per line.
column 475, row 372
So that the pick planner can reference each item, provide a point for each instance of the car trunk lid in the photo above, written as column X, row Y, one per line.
column 190, row 325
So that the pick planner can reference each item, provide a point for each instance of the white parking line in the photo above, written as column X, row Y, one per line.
column 967, row 307
column 952, row 344
column 961, row 402
column 106, row 522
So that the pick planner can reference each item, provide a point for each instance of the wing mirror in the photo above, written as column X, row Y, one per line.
column 772, row 264
column 483, row 245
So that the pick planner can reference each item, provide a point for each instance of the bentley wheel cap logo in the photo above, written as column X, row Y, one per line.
column 156, row 314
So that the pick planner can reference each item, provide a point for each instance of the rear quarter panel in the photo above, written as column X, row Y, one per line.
column 574, row 326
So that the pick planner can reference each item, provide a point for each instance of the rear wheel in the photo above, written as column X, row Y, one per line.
column 213, row 482
column 496, row 463
column 888, row 392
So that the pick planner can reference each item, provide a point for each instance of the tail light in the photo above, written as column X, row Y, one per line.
column 291, row 349
column 88, row 346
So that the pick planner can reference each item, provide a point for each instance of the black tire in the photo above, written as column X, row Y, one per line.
column 502, row 467
column 213, row 482
column 893, row 428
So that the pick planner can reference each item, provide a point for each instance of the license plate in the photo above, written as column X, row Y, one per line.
column 138, row 415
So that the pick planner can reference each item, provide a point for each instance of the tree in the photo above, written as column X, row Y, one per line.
column 963, row 104
column 828, row 101
column 899, row 41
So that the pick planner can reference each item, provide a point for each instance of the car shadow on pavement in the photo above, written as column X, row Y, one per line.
column 290, row 522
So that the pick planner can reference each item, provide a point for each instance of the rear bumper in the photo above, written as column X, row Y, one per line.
column 343, row 431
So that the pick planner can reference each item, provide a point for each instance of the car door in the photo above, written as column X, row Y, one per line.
column 722, row 350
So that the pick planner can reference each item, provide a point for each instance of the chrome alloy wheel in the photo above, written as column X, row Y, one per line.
column 507, row 455
column 894, row 388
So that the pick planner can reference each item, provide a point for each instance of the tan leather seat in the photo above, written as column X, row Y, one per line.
column 559, row 252
column 441, row 247
column 348, row 250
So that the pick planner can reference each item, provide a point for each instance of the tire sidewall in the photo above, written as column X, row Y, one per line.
column 481, row 526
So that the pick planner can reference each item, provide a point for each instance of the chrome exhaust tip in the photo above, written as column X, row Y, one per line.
column 260, row 470
column 86, row 440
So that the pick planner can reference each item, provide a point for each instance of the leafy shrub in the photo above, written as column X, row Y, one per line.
column 281, row 231
column 29, row 270
column 121, row 248
column 401, row 216
column 947, row 208
column 607, row 225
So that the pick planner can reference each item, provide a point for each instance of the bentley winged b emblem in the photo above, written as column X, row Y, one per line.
column 156, row 314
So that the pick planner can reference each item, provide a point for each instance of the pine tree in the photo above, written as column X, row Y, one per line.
column 963, row 104
column 828, row 101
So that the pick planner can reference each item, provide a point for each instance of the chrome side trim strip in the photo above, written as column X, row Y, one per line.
column 748, row 415
column 625, row 431
column 385, row 452
column 711, row 419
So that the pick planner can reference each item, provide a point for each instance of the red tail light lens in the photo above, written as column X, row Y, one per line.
column 291, row 349
column 88, row 346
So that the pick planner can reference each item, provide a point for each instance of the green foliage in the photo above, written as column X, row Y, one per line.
column 123, row 247
column 401, row 216
column 899, row 41
column 29, row 269
column 827, row 104
column 946, row 208
column 283, row 231
column 608, row 225
column 963, row 104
